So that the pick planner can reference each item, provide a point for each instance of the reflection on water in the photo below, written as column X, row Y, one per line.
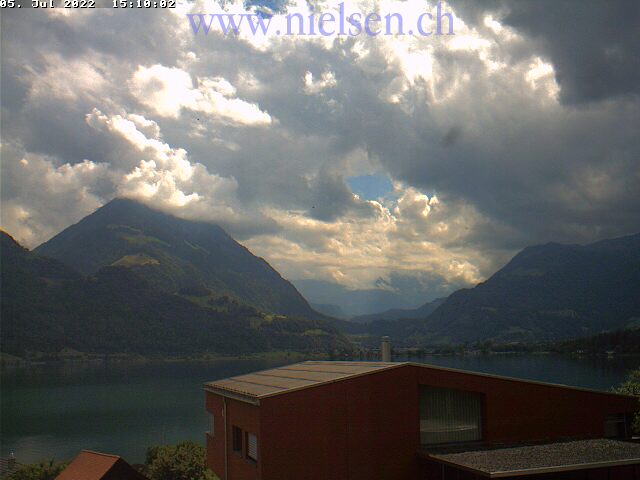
column 56, row 410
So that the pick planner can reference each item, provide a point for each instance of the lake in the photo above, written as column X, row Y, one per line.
column 53, row 411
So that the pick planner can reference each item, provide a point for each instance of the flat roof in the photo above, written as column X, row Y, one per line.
column 538, row 459
column 288, row 378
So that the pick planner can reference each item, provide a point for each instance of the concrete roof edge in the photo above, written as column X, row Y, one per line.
column 564, row 468
column 232, row 394
column 534, row 470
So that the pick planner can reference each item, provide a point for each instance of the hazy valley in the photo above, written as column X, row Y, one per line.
column 131, row 280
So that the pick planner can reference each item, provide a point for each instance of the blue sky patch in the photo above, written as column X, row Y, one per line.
column 370, row 187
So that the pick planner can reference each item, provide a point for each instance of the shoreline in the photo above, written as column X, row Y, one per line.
column 12, row 361
column 7, row 360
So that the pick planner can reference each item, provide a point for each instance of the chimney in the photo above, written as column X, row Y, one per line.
column 385, row 349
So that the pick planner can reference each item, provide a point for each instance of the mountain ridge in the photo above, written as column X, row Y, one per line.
column 353, row 302
column 48, row 307
column 546, row 292
column 400, row 313
column 172, row 254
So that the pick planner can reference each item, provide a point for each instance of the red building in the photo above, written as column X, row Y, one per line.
column 90, row 465
column 396, row 421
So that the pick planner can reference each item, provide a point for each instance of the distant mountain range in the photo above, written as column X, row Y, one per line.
column 333, row 297
column 47, row 307
column 331, row 310
column 174, row 255
column 401, row 313
column 545, row 292
column 128, row 278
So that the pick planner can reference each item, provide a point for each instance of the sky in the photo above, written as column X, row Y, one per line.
column 419, row 163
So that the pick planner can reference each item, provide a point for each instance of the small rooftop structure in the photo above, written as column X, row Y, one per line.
column 267, row 383
column 540, row 459
column 90, row 465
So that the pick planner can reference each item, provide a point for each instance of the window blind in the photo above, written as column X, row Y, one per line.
column 252, row 446
column 449, row 416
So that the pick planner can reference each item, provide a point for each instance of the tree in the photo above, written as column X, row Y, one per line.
column 631, row 386
column 184, row 461
column 42, row 471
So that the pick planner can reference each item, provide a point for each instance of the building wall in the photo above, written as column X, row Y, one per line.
column 519, row 411
column 363, row 428
column 239, row 414
column 215, row 443
column 367, row 427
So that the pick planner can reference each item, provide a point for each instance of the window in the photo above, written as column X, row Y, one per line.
column 236, row 433
column 615, row 425
column 212, row 424
column 449, row 416
column 252, row 447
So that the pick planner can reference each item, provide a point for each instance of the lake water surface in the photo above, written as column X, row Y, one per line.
column 53, row 411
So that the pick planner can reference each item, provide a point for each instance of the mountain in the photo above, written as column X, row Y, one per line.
column 46, row 307
column 330, row 310
column 546, row 292
column 400, row 313
column 174, row 255
column 620, row 342
column 351, row 302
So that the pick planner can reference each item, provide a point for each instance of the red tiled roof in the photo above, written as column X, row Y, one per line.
column 88, row 465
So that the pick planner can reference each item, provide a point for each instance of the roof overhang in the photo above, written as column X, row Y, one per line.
column 231, row 395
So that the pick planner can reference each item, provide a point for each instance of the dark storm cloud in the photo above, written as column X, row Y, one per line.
column 484, row 158
column 592, row 44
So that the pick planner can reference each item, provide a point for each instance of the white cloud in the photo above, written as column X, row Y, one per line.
column 327, row 80
column 165, row 176
column 399, row 237
column 259, row 133
column 46, row 195
column 166, row 91
column 66, row 79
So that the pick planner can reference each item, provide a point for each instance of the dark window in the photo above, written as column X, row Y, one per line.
column 615, row 426
column 212, row 425
column 252, row 447
column 449, row 416
column 237, row 439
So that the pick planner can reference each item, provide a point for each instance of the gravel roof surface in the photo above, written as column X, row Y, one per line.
column 543, row 456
